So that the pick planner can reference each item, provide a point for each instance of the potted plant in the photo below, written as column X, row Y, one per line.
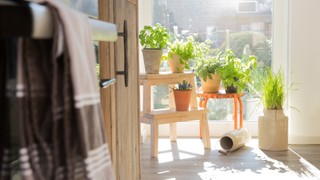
column 180, row 52
column 207, row 70
column 182, row 96
column 273, row 125
column 236, row 74
column 153, row 39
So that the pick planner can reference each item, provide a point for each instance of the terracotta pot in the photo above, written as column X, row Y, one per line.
column 232, row 89
column 212, row 85
column 174, row 63
column 182, row 100
column 152, row 60
column 273, row 130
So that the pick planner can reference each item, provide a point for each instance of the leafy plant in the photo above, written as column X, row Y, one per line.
column 274, row 90
column 188, row 50
column 185, row 86
column 207, row 66
column 235, row 69
column 153, row 37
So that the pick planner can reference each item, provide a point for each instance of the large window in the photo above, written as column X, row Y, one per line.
column 249, row 24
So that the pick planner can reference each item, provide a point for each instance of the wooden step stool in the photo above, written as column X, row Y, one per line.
column 171, row 116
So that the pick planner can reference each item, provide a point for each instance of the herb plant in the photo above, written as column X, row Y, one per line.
column 153, row 37
column 235, row 69
column 207, row 66
column 188, row 50
column 274, row 90
column 185, row 86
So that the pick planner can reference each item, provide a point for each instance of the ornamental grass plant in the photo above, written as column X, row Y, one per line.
column 275, row 91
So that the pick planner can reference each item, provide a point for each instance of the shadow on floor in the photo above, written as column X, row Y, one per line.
column 183, row 161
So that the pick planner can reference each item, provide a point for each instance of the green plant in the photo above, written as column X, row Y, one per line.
column 274, row 90
column 153, row 37
column 207, row 66
column 235, row 69
column 188, row 50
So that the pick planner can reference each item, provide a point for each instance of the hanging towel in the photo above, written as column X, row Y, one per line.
column 4, row 111
column 61, row 126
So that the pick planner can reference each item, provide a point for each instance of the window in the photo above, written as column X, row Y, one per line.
column 250, row 33
column 247, row 7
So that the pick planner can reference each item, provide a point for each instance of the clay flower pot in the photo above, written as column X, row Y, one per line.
column 212, row 85
column 174, row 63
column 182, row 100
column 273, row 130
column 152, row 60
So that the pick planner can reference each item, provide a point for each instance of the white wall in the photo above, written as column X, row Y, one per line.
column 305, row 62
column 145, row 8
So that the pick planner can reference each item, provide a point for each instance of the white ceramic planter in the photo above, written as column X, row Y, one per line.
column 273, row 130
column 234, row 140
column 152, row 60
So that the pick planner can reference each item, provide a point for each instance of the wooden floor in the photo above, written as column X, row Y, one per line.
column 187, row 160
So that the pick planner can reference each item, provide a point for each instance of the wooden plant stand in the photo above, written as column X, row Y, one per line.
column 171, row 116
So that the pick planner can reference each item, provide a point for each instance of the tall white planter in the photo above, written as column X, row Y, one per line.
column 273, row 130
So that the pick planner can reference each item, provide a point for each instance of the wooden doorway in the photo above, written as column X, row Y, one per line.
column 120, row 104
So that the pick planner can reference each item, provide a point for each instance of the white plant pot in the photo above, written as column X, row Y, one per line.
column 273, row 130
column 234, row 140
column 152, row 60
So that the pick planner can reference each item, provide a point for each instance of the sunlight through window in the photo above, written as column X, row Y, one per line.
column 165, row 157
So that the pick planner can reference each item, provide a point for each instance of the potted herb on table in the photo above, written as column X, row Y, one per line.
column 207, row 70
column 153, row 39
column 236, row 74
column 180, row 52
column 273, row 125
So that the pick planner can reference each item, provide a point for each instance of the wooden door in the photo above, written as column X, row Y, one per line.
column 121, row 108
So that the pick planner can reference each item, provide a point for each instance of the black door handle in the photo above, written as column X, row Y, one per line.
column 125, row 40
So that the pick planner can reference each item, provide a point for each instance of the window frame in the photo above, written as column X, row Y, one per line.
column 218, row 128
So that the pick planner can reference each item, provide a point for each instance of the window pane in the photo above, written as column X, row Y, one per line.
column 250, row 27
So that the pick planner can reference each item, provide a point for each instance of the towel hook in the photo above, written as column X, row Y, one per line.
column 125, row 40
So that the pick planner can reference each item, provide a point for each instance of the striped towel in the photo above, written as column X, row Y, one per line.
column 60, row 121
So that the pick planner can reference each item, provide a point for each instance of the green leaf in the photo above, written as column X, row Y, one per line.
column 169, row 55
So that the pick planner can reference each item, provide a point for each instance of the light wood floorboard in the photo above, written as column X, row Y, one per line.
column 186, row 159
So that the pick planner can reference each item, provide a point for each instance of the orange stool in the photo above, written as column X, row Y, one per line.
column 222, row 95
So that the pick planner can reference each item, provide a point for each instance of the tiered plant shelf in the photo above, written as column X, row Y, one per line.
column 171, row 116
